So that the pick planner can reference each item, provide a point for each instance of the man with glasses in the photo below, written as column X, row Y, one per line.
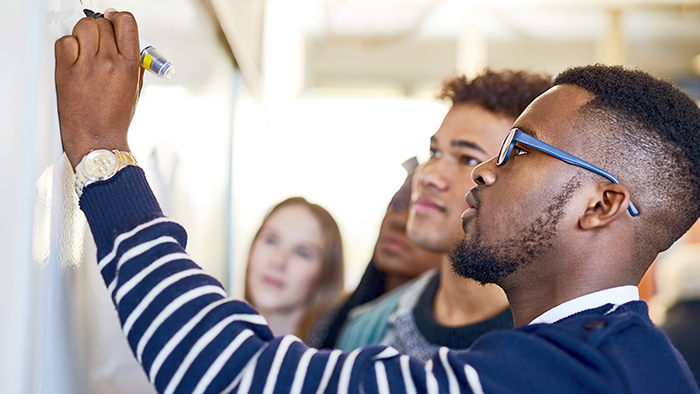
column 441, row 308
column 558, row 238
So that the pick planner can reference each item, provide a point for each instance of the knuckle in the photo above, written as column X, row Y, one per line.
column 103, row 22
column 126, row 16
column 85, row 23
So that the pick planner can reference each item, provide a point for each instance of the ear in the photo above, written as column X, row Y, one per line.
column 611, row 202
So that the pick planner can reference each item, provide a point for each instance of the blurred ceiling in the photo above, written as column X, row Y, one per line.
column 406, row 47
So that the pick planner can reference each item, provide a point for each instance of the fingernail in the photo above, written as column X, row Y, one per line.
column 110, row 10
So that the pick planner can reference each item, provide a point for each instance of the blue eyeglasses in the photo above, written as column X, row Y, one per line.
column 518, row 136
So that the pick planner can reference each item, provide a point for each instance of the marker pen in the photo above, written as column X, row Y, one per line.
column 154, row 61
column 151, row 59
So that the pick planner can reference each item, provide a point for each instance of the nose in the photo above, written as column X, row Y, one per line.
column 484, row 174
column 433, row 174
column 278, row 259
column 397, row 220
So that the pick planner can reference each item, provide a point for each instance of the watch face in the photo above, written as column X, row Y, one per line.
column 99, row 164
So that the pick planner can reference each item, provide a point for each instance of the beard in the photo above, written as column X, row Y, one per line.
column 474, row 259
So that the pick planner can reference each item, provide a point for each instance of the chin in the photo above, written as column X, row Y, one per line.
column 383, row 262
column 470, row 260
column 265, row 302
column 433, row 246
column 272, row 307
column 428, row 241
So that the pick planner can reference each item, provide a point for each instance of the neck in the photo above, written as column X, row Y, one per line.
column 283, row 322
column 532, row 293
column 460, row 302
column 580, row 261
column 394, row 281
column 526, row 304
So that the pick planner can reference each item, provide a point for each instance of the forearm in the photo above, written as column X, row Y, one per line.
column 188, row 336
column 171, row 311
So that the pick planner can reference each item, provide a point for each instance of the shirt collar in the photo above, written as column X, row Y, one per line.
column 616, row 295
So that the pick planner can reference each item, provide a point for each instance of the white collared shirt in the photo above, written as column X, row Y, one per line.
column 616, row 296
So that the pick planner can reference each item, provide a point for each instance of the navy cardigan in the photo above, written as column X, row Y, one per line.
column 191, row 338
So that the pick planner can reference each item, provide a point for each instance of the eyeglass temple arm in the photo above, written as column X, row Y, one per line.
column 529, row 140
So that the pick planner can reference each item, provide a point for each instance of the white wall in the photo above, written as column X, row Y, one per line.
column 58, row 330
column 26, row 148
column 59, row 333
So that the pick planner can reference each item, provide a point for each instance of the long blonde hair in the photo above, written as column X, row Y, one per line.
column 329, row 286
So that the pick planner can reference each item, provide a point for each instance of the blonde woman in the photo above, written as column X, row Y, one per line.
column 295, row 266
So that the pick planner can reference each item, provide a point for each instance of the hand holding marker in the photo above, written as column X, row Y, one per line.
column 151, row 59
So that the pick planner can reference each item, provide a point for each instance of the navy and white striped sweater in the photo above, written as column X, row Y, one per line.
column 191, row 338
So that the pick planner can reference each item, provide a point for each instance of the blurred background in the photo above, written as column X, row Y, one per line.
column 272, row 98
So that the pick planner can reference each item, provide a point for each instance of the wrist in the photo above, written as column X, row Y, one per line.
column 78, row 141
column 100, row 165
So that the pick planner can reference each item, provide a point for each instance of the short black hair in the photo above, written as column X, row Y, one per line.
column 650, row 139
column 505, row 92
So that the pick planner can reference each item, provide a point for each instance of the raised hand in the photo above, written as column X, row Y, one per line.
column 98, row 82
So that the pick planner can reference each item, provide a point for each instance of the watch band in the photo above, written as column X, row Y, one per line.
column 100, row 165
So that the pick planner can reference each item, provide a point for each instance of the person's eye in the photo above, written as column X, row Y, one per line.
column 271, row 239
column 518, row 151
column 398, row 204
column 305, row 253
column 435, row 154
column 469, row 161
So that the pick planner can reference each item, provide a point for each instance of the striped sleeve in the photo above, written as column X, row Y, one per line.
column 191, row 338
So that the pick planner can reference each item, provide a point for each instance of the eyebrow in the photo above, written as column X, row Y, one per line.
column 461, row 144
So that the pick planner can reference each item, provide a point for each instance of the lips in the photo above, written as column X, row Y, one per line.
column 471, row 199
column 274, row 282
column 426, row 205
column 473, row 205
column 391, row 243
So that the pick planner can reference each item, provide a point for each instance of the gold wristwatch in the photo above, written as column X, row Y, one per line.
column 100, row 165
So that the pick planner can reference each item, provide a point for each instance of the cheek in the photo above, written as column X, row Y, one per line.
column 394, row 223
column 304, row 276
column 253, row 277
column 460, row 188
column 259, row 262
column 257, row 258
column 506, row 214
column 385, row 224
column 457, row 207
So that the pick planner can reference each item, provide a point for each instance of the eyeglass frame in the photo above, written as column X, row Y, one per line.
column 518, row 136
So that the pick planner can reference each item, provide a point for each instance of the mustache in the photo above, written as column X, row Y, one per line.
column 475, row 196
